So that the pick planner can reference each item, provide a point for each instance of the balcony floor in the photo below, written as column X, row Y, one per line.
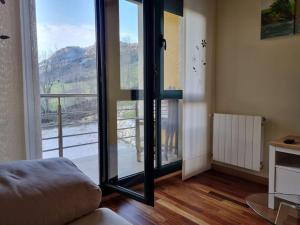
column 127, row 163
column 86, row 158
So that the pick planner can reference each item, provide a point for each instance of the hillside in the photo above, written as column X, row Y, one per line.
column 73, row 69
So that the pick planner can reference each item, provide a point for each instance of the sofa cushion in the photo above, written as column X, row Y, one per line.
column 45, row 192
column 101, row 217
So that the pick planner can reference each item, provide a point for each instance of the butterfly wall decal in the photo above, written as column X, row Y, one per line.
column 3, row 37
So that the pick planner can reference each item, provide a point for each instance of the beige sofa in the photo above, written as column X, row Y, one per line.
column 50, row 192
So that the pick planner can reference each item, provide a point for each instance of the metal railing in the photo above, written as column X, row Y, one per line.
column 58, row 113
column 60, row 137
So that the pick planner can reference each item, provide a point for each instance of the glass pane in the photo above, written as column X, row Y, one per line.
column 125, row 120
column 68, row 81
column 276, row 208
column 131, row 45
column 130, row 129
column 173, row 54
column 171, row 135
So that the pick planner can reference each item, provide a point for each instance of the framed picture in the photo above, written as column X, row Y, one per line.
column 277, row 18
column 297, row 17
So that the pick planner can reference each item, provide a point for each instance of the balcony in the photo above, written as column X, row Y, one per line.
column 70, row 129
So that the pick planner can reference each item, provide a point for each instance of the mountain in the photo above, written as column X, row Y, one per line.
column 69, row 65
column 73, row 69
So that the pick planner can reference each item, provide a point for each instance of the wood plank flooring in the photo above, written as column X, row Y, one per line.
column 210, row 198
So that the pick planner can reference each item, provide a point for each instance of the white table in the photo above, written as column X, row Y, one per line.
column 284, row 168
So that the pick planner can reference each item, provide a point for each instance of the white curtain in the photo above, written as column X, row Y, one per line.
column 198, row 85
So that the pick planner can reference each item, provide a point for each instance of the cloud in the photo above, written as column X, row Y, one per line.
column 124, row 36
column 53, row 37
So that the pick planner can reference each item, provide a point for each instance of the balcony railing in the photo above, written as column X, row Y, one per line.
column 64, row 110
column 73, row 118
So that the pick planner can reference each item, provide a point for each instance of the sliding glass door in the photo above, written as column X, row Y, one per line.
column 143, row 94
column 129, row 97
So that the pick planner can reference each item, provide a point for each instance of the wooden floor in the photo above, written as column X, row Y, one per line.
column 210, row 198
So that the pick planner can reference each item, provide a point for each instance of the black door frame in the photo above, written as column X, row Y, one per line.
column 153, row 90
column 161, row 94
column 149, row 71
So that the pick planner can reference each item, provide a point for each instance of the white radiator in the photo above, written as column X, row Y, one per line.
column 237, row 140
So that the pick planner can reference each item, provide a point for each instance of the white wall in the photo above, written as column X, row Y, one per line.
column 256, row 77
column 12, row 144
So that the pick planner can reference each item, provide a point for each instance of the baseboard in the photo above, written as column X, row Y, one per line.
column 240, row 174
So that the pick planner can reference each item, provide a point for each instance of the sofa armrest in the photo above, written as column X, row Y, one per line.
column 45, row 192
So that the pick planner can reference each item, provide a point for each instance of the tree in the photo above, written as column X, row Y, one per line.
column 283, row 8
column 129, row 63
column 48, row 80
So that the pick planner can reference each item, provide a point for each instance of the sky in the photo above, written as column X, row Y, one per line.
column 62, row 23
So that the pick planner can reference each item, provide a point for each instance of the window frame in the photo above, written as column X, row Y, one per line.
column 31, row 92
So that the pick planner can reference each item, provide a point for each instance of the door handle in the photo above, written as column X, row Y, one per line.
column 163, row 42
